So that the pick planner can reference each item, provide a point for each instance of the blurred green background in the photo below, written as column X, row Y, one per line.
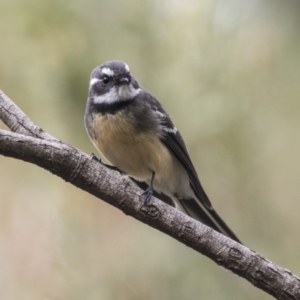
column 228, row 72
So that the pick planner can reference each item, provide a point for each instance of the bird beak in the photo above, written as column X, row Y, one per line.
column 123, row 80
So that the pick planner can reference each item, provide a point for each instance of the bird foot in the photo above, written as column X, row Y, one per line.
column 107, row 166
column 148, row 193
column 96, row 158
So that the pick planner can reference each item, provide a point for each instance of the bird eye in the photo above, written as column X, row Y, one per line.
column 105, row 80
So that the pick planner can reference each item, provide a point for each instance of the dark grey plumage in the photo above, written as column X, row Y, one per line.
column 131, row 128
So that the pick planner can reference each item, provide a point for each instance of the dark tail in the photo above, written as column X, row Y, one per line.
column 196, row 210
column 207, row 216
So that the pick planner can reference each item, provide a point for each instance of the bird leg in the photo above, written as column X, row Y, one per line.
column 149, row 190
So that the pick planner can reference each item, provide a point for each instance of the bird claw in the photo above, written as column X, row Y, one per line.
column 107, row 166
column 147, row 194
column 96, row 158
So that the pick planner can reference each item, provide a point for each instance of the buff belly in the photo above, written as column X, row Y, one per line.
column 137, row 154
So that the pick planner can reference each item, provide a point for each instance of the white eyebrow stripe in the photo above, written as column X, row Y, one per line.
column 108, row 71
column 127, row 68
column 94, row 81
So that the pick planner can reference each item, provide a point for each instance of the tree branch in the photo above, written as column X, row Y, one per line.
column 17, row 121
column 31, row 144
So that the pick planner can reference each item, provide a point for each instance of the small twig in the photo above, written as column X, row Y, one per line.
column 18, row 122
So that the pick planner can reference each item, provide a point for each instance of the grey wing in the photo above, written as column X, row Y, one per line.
column 200, row 208
column 175, row 143
column 172, row 138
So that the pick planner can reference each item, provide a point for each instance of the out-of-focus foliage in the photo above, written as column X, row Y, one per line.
column 227, row 72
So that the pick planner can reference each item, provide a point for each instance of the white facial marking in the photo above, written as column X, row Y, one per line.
column 93, row 81
column 109, row 97
column 108, row 71
column 126, row 68
column 126, row 92
column 117, row 94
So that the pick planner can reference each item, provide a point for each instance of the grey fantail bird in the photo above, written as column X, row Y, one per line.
column 133, row 131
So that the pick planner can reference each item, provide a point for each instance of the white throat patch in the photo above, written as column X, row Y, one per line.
column 127, row 92
column 117, row 94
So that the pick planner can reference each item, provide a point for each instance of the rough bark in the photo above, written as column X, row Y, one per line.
column 29, row 143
